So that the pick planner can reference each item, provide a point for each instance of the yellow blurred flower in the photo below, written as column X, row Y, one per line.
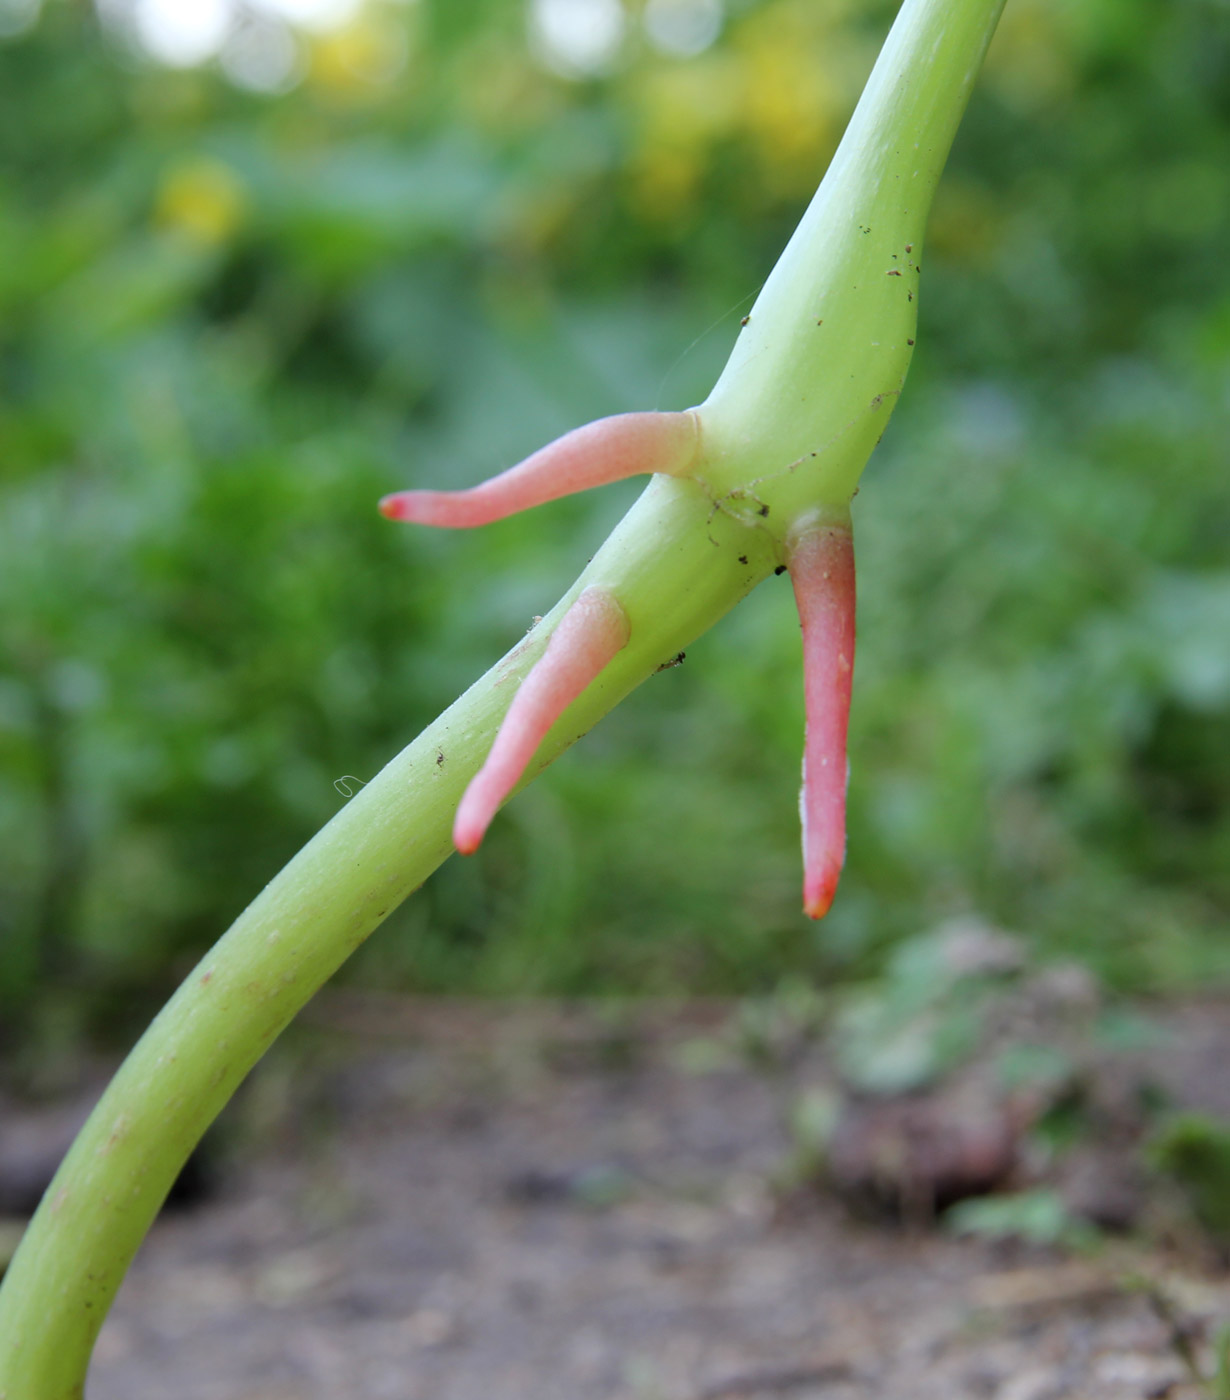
column 1030, row 60
column 788, row 111
column 357, row 62
column 684, row 110
column 781, row 85
column 201, row 199
column 665, row 183
column 791, row 106
column 692, row 103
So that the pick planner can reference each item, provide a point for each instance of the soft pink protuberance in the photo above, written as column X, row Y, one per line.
column 608, row 450
column 822, row 571
column 589, row 635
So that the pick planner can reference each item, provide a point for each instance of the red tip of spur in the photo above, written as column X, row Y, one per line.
column 393, row 507
column 819, row 892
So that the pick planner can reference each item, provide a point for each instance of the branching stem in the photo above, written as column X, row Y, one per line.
column 782, row 439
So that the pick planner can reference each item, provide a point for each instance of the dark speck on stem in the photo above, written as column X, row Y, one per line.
column 781, row 569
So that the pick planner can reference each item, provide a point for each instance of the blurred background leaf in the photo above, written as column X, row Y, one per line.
column 262, row 262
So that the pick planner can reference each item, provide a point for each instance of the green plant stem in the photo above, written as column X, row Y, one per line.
column 822, row 358
column 382, row 845
column 683, row 556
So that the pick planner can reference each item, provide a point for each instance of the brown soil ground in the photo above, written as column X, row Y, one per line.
column 536, row 1204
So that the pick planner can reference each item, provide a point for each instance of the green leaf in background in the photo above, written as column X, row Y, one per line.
column 231, row 319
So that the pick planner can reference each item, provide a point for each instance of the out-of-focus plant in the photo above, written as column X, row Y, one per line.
column 1038, row 1216
column 1192, row 1151
column 220, row 305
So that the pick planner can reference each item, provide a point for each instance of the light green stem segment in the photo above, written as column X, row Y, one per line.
column 683, row 556
column 382, row 845
column 822, row 358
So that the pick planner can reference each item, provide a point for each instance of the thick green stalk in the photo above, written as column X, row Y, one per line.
column 820, row 363
column 382, row 845
column 784, row 436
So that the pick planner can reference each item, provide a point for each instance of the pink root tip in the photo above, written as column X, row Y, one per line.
column 589, row 635
column 818, row 895
column 393, row 507
column 473, row 818
column 822, row 570
column 629, row 444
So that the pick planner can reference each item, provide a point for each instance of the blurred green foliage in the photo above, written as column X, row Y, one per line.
column 229, row 322
column 1193, row 1151
column 1037, row 1217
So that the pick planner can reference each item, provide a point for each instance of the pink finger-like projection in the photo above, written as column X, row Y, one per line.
column 611, row 449
column 821, row 564
column 821, row 568
column 589, row 635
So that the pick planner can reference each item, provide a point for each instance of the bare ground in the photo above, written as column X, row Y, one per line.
column 534, row 1204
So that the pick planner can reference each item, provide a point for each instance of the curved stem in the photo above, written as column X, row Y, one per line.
column 787, row 429
column 308, row 920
